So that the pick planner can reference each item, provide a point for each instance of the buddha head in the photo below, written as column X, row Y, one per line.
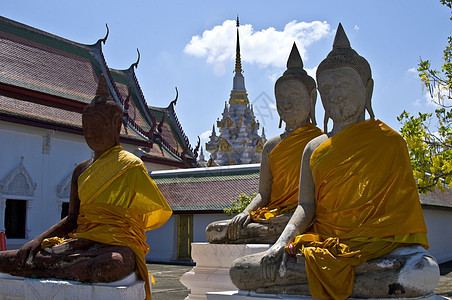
column 345, row 82
column 102, row 120
column 295, row 93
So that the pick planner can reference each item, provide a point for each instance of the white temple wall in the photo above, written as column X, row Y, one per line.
column 163, row 241
column 200, row 222
column 48, row 157
column 439, row 222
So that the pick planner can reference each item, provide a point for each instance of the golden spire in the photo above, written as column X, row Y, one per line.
column 238, row 63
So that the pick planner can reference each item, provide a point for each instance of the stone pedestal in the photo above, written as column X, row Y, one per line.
column 211, row 273
column 15, row 288
column 242, row 295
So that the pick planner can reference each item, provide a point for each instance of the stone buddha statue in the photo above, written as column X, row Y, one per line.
column 112, row 202
column 358, row 230
column 267, row 215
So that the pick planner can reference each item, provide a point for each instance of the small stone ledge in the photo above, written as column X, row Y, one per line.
column 15, row 288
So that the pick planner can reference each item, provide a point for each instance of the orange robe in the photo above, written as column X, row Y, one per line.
column 118, row 203
column 367, row 204
column 285, row 164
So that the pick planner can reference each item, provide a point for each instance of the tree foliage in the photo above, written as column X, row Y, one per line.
column 240, row 204
column 429, row 135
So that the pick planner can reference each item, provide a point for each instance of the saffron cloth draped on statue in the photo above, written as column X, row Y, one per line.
column 367, row 205
column 118, row 203
column 285, row 163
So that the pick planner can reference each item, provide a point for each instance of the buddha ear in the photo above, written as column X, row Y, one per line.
column 369, row 91
column 325, row 122
column 117, row 122
column 312, row 105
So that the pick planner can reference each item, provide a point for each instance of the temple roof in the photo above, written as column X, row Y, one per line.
column 46, row 81
column 206, row 190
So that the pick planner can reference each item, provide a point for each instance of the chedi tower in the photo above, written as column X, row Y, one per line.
column 239, row 141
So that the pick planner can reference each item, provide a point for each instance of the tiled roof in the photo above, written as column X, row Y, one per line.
column 36, row 61
column 215, row 188
column 438, row 199
column 47, row 79
column 206, row 189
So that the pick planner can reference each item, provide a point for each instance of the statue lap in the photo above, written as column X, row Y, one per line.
column 405, row 272
column 80, row 260
column 265, row 232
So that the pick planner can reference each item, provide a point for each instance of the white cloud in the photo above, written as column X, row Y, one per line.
column 205, row 135
column 434, row 101
column 266, row 48
column 429, row 103
column 356, row 28
column 412, row 70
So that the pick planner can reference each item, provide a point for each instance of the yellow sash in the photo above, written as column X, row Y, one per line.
column 367, row 204
column 285, row 163
column 118, row 203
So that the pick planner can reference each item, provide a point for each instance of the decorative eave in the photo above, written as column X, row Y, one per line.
column 134, row 84
column 180, row 131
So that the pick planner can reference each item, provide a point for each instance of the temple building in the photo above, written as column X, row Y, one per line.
column 45, row 82
column 238, row 141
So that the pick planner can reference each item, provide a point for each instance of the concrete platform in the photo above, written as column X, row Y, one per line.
column 167, row 285
column 20, row 288
column 241, row 295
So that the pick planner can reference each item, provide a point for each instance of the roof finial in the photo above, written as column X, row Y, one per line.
column 238, row 63
column 174, row 102
column 238, row 24
column 106, row 35
column 135, row 64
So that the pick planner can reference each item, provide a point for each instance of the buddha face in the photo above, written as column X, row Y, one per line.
column 343, row 93
column 100, row 132
column 293, row 102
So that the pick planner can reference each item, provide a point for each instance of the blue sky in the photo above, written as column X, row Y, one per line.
column 191, row 45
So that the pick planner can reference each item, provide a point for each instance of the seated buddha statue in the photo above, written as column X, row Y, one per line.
column 266, row 216
column 358, row 230
column 113, row 201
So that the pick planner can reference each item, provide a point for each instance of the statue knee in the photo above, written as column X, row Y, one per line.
column 217, row 232
column 111, row 266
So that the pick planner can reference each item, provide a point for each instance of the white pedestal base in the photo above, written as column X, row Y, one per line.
column 15, row 288
column 213, row 261
column 243, row 295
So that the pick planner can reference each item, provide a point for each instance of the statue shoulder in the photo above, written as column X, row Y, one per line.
column 80, row 168
column 315, row 143
column 270, row 144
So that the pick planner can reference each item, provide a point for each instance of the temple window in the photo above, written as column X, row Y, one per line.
column 16, row 198
column 15, row 218
column 63, row 193
column 64, row 209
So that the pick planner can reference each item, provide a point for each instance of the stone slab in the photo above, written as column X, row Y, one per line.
column 20, row 288
column 243, row 295
column 213, row 261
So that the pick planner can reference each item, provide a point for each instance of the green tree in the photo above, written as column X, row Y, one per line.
column 429, row 135
column 240, row 204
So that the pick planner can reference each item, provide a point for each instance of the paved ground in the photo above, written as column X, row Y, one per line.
column 168, row 287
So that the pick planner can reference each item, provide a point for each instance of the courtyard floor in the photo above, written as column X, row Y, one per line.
column 168, row 287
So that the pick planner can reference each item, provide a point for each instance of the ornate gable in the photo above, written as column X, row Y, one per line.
column 18, row 182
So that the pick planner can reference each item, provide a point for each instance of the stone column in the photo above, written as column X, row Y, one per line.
column 213, row 261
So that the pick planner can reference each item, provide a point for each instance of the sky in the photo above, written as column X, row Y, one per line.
column 191, row 45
